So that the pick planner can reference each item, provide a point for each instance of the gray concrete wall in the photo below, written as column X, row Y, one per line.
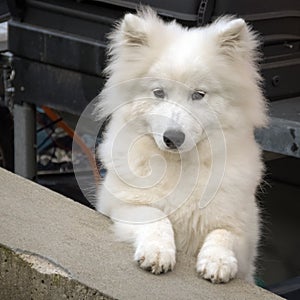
column 54, row 248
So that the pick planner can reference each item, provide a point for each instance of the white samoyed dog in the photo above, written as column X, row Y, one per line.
column 182, row 162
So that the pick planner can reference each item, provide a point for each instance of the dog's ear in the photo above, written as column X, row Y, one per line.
column 134, row 31
column 232, row 33
column 133, row 38
column 235, row 37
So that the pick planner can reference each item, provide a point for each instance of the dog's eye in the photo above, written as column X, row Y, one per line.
column 159, row 93
column 198, row 95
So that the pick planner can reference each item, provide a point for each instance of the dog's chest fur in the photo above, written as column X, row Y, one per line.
column 178, row 191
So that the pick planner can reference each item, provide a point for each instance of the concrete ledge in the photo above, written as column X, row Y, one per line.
column 54, row 248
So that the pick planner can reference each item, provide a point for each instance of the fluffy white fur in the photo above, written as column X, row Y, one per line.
column 153, row 194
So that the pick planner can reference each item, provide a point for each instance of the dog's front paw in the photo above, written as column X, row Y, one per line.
column 155, row 257
column 217, row 264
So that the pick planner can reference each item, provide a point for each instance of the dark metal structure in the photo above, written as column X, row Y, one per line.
column 58, row 51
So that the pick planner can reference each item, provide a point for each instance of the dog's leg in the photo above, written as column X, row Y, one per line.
column 152, row 236
column 216, row 260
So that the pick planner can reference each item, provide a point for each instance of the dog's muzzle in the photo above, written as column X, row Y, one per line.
column 173, row 139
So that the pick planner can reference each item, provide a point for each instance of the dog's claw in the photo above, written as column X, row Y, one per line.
column 156, row 260
column 217, row 265
column 141, row 260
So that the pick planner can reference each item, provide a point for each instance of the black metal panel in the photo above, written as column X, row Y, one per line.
column 281, row 79
column 184, row 10
column 81, row 18
column 55, row 87
column 56, row 48
column 4, row 13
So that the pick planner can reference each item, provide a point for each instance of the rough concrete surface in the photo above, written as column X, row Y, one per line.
column 54, row 248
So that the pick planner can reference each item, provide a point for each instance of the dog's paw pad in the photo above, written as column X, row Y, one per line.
column 155, row 258
column 217, row 264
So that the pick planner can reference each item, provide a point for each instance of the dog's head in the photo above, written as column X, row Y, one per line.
column 179, row 84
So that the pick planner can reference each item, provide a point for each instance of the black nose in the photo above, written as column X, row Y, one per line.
column 173, row 138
